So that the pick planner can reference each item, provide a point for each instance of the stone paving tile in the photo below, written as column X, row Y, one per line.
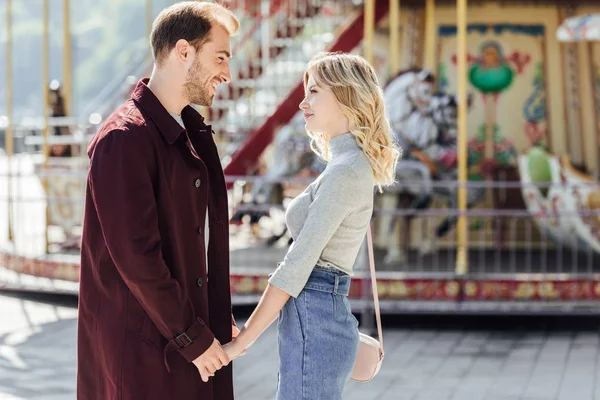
column 37, row 361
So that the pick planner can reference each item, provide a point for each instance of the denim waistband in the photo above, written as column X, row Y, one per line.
column 329, row 280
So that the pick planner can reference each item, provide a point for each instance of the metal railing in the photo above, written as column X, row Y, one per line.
column 516, row 253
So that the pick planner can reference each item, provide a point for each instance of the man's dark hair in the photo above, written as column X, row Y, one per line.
column 189, row 20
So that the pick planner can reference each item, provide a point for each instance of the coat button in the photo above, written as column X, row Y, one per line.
column 199, row 230
column 199, row 282
column 197, row 183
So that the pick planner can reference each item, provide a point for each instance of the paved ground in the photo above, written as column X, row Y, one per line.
column 428, row 358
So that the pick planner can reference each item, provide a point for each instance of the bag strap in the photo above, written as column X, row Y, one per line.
column 374, row 283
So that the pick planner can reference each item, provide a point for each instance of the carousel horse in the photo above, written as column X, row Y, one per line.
column 424, row 125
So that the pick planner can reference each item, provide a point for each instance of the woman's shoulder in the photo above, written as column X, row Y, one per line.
column 353, row 174
column 361, row 166
column 339, row 172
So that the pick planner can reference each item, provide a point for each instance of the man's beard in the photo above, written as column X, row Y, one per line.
column 197, row 87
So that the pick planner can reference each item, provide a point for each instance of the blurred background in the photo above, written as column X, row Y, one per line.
column 487, row 247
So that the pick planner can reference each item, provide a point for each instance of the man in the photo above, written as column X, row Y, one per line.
column 155, row 300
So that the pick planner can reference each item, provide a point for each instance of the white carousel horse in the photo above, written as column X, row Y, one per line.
column 424, row 124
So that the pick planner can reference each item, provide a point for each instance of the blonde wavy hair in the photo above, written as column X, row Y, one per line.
column 355, row 86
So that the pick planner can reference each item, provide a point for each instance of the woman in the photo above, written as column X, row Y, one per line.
column 318, row 335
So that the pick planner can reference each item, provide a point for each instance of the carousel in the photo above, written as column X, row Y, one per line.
column 566, row 204
column 473, row 224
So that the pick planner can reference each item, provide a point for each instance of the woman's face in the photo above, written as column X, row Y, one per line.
column 490, row 57
column 322, row 112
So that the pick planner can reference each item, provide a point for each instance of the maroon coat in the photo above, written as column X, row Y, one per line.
column 143, row 270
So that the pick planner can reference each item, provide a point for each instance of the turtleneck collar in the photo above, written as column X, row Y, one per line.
column 343, row 143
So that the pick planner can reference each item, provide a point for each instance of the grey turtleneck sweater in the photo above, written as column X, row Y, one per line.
column 329, row 220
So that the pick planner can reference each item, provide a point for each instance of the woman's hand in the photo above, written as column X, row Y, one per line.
column 234, row 331
column 234, row 349
column 266, row 312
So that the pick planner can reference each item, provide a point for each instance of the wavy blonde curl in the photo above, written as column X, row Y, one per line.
column 356, row 88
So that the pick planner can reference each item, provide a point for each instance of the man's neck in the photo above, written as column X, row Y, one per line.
column 168, row 92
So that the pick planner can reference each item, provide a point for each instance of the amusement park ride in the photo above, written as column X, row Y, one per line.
column 477, row 222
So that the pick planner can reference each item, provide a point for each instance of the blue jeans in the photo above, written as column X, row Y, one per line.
column 318, row 339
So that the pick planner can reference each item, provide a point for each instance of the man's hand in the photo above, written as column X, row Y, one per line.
column 212, row 360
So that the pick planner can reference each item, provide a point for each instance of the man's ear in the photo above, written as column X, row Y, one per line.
column 182, row 51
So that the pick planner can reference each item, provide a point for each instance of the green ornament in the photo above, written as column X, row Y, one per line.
column 491, row 73
column 491, row 80
column 538, row 164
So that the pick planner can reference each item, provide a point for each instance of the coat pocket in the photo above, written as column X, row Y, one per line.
column 151, row 335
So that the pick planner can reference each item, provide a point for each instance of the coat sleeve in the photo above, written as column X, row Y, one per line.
column 122, row 189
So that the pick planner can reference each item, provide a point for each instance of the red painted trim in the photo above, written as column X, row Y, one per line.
column 402, row 289
column 453, row 290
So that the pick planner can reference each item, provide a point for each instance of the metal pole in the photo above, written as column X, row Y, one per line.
column 394, row 37
column 265, row 34
column 595, row 105
column 369, row 27
column 149, row 14
column 461, row 254
column 67, row 84
column 430, row 35
column 8, row 139
column 368, row 30
column 45, row 80
column 45, row 87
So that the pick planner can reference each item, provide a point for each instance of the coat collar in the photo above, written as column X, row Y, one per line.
column 168, row 127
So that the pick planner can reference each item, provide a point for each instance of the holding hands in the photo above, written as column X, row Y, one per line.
column 265, row 313
column 217, row 356
column 211, row 361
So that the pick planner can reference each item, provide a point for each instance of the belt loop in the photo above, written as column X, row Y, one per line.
column 336, row 284
column 346, row 286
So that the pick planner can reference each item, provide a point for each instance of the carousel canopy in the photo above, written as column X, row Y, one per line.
column 580, row 28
